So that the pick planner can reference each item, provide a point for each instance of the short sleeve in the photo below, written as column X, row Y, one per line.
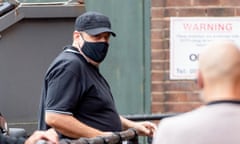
column 63, row 92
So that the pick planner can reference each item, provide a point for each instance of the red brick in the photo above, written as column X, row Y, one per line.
column 206, row 2
column 220, row 12
column 167, row 23
column 160, row 44
column 156, row 87
column 192, row 12
column 176, row 97
column 174, row 107
column 158, row 24
column 230, row 3
column 171, row 12
column 238, row 12
column 157, row 44
column 158, row 3
column 160, row 55
column 158, row 97
column 180, row 107
column 160, row 65
column 178, row 3
column 180, row 86
column 166, row 32
column 158, row 76
column 158, row 108
column 182, row 97
column 159, row 34
column 166, row 44
column 157, row 12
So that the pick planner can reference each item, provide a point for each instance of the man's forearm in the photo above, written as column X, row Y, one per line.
column 70, row 126
column 126, row 123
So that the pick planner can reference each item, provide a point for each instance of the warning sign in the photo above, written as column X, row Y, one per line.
column 190, row 35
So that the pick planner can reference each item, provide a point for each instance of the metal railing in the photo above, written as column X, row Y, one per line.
column 129, row 136
column 144, row 117
column 116, row 138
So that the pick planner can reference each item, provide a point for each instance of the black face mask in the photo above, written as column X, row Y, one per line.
column 96, row 51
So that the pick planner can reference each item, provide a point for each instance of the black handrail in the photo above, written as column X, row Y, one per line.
column 130, row 135
column 116, row 138
column 143, row 117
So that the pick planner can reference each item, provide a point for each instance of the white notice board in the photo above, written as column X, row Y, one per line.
column 190, row 35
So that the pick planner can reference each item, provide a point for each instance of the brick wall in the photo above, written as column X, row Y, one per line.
column 182, row 95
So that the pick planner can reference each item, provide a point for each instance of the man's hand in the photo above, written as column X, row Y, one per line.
column 145, row 128
column 50, row 136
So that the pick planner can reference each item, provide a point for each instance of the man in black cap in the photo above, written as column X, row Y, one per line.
column 76, row 99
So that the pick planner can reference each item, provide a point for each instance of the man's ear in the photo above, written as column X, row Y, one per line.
column 200, row 80
column 77, row 38
column 76, row 35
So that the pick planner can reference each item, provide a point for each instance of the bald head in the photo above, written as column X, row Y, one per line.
column 219, row 66
column 220, row 61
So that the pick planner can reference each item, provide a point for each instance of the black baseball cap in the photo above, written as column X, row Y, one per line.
column 93, row 23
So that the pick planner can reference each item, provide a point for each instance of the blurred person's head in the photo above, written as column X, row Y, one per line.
column 219, row 71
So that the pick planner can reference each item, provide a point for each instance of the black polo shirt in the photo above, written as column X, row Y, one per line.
column 75, row 87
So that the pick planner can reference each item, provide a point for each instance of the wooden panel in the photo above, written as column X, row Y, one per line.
column 124, row 66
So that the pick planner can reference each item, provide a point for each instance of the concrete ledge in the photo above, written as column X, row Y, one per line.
column 40, row 11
